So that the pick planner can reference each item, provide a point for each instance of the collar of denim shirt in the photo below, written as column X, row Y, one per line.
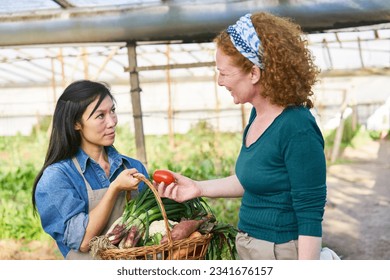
column 115, row 159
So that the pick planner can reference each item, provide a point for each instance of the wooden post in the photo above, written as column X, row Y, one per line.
column 61, row 59
column 84, row 54
column 339, row 133
column 54, row 86
column 136, row 103
column 170, row 106
column 217, row 102
column 355, row 117
column 325, row 45
column 360, row 53
column 53, row 82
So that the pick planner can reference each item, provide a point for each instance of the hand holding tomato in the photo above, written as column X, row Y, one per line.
column 163, row 176
column 175, row 186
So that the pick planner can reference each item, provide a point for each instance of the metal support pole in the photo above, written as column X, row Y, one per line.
column 360, row 53
column 171, row 132
column 136, row 103
column 325, row 45
column 339, row 132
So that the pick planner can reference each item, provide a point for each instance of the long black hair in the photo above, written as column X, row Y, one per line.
column 65, row 140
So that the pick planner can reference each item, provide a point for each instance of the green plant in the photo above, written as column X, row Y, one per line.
column 349, row 133
column 16, row 214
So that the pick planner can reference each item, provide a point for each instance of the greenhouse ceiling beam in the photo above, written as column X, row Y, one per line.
column 361, row 72
column 64, row 4
column 192, row 21
column 339, row 73
column 172, row 66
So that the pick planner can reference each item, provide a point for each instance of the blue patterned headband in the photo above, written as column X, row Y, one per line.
column 246, row 41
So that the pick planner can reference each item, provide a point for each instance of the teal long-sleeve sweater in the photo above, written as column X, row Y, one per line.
column 284, row 177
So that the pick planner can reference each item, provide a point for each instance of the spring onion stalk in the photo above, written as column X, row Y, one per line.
column 140, row 212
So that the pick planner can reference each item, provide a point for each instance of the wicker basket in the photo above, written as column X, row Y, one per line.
column 184, row 249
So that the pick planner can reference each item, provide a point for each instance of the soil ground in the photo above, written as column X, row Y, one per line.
column 34, row 250
column 356, row 221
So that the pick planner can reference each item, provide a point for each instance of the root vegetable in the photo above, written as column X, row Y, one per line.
column 185, row 252
column 183, row 229
column 195, row 234
column 114, row 226
column 131, row 238
column 117, row 233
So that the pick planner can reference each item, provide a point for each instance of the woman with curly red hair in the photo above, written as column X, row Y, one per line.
column 280, row 172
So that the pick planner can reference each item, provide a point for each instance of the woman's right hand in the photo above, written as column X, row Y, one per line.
column 182, row 190
column 126, row 180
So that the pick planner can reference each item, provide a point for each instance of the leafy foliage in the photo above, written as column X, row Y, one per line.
column 349, row 132
column 17, row 219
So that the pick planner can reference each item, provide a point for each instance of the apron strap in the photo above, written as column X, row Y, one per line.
column 89, row 189
column 94, row 196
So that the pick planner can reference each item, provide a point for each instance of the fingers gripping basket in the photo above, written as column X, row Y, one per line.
column 194, row 248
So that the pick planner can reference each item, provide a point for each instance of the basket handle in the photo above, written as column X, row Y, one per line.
column 160, row 204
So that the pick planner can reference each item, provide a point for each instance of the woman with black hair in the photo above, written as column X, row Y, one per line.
column 81, row 189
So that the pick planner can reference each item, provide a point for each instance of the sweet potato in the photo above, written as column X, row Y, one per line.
column 183, row 230
column 195, row 234
column 183, row 253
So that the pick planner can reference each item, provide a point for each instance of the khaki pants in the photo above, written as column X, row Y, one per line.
column 250, row 248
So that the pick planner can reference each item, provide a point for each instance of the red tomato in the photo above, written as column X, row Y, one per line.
column 163, row 176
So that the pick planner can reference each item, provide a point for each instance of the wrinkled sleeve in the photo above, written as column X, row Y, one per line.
column 306, row 165
column 61, row 207
column 75, row 230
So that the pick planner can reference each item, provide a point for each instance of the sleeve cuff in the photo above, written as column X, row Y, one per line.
column 75, row 231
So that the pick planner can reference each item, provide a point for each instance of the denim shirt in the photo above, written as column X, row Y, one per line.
column 62, row 199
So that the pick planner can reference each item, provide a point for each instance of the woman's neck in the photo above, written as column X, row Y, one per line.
column 98, row 154
column 266, row 110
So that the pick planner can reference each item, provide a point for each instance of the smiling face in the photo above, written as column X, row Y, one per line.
column 98, row 130
column 240, row 84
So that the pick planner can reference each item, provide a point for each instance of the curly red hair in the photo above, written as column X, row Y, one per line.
column 290, row 72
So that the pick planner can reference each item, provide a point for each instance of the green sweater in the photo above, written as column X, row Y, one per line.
column 284, row 177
